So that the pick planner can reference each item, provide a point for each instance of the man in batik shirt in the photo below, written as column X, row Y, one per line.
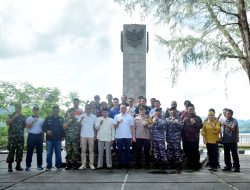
column 191, row 138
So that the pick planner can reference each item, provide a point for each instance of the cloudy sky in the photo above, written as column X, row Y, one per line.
column 75, row 45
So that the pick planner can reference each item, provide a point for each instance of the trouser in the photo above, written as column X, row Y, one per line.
column 15, row 146
column 218, row 155
column 107, row 145
column 123, row 145
column 51, row 146
column 87, row 141
column 34, row 141
column 233, row 148
column 159, row 150
column 72, row 150
column 193, row 154
column 212, row 150
column 174, row 152
column 145, row 144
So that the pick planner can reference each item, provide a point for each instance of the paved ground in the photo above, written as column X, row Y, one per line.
column 123, row 180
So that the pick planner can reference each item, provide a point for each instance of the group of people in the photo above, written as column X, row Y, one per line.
column 117, row 126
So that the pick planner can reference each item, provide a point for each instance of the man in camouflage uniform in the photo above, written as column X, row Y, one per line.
column 16, row 123
column 158, row 139
column 72, row 140
column 173, row 138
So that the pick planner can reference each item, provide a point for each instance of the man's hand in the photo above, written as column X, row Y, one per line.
column 35, row 120
column 49, row 132
column 145, row 123
column 155, row 119
column 101, row 122
column 65, row 126
column 204, row 141
column 192, row 120
column 16, row 115
column 120, row 120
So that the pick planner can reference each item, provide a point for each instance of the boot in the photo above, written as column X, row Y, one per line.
column 69, row 166
column 75, row 166
column 18, row 166
column 162, row 166
column 156, row 165
column 10, row 167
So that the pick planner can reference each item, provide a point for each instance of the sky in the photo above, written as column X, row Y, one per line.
column 74, row 45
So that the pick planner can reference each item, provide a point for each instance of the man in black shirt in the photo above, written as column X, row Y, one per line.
column 53, row 127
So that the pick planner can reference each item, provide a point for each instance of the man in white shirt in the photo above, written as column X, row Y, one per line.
column 123, row 124
column 35, row 139
column 105, row 136
column 87, row 122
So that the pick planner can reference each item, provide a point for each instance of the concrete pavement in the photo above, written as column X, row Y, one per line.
column 123, row 180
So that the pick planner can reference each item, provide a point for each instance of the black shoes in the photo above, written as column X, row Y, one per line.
column 18, row 167
column 237, row 170
column 10, row 167
column 213, row 169
column 68, row 167
column 226, row 169
column 137, row 166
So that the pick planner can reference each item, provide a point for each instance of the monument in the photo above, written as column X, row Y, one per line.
column 134, row 45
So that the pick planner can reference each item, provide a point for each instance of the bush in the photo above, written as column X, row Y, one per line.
column 3, row 137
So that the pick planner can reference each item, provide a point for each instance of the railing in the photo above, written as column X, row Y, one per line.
column 244, row 140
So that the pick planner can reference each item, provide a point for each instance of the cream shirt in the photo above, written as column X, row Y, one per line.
column 105, row 131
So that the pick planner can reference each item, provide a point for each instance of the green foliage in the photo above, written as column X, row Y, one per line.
column 3, row 136
column 28, row 96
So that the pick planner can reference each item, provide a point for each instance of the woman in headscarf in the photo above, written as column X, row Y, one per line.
column 210, row 132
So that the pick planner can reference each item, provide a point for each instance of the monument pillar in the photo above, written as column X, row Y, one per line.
column 134, row 45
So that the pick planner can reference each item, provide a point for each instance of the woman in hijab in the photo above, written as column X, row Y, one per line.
column 210, row 132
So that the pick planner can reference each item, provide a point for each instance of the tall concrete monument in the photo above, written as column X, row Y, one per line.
column 134, row 45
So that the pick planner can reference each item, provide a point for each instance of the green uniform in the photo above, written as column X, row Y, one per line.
column 72, row 141
column 16, row 138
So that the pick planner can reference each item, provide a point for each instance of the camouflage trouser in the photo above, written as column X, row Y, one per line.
column 174, row 153
column 159, row 150
column 15, row 145
column 72, row 149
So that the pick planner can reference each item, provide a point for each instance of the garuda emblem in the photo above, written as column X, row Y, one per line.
column 134, row 38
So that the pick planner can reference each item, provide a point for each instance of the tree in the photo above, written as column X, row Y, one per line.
column 220, row 30
column 28, row 96
column 68, row 100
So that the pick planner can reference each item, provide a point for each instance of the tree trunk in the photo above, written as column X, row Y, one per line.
column 248, row 70
column 245, row 34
